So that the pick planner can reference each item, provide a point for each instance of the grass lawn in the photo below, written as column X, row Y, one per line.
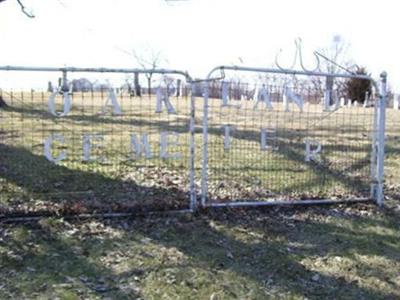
column 330, row 252
column 346, row 252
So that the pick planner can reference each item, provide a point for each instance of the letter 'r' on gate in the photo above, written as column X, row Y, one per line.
column 312, row 154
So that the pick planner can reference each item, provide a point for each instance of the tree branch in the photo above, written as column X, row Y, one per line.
column 23, row 9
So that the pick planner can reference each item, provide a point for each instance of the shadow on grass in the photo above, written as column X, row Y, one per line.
column 236, row 254
column 34, row 179
column 268, row 258
column 43, row 263
column 291, row 148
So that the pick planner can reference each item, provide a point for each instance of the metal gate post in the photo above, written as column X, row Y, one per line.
column 380, row 140
column 204, row 173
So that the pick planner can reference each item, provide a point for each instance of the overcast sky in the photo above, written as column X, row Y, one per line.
column 197, row 35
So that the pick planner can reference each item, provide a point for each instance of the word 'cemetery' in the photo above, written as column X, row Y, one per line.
column 139, row 146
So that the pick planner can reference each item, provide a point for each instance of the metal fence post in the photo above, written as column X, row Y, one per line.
column 379, row 195
column 193, row 200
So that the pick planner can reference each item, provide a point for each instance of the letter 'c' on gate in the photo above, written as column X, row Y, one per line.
column 48, row 143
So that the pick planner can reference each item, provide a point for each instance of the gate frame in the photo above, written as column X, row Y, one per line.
column 185, row 74
column 378, row 138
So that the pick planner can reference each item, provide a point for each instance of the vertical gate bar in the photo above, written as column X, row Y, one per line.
column 374, row 149
column 64, row 84
column 204, row 172
column 193, row 202
column 381, row 141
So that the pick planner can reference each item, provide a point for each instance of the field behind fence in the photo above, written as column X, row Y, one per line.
column 116, row 178
column 114, row 175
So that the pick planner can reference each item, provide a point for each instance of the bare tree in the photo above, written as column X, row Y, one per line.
column 150, row 61
column 147, row 59
column 334, row 59
column 23, row 9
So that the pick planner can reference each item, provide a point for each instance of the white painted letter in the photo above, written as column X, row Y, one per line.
column 263, row 96
column 225, row 94
column 88, row 145
column 267, row 134
column 112, row 102
column 52, row 105
column 164, row 145
column 227, row 136
column 328, row 95
column 47, row 148
column 312, row 154
column 137, row 147
column 289, row 95
column 162, row 96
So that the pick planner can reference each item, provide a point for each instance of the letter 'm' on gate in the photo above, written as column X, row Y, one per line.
column 312, row 154
column 48, row 143
column 140, row 146
column 91, row 142
column 165, row 143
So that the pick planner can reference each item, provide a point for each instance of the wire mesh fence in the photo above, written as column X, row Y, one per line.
column 106, row 147
column 95, row 150
column 284, row 142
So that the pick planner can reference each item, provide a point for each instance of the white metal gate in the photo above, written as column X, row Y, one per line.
column 271, row 143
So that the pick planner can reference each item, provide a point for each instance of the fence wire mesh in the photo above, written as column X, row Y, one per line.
column 257, row 146
column 105, row 154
